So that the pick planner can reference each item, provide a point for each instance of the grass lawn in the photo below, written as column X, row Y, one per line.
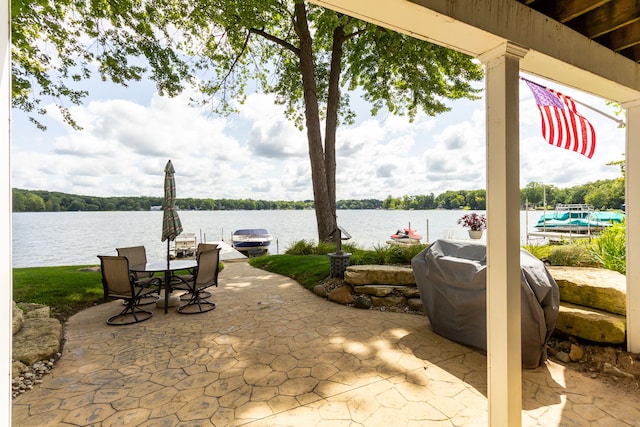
column 66, row 290
column 308, row 270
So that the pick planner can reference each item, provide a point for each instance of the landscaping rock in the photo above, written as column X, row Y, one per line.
column 379, row 275
column 388, row 301
column 408, row 291
column 609, row 369
column 630, row 363
column 591, row 324
column 415, row 304
column 576, row 353
column 17, row 318
column 341, row 295
column 36, row 311
column 38, row 339
column 320, row 290
column 592, row 287
column 17, row 367
column 362, row 301
column 375, row 290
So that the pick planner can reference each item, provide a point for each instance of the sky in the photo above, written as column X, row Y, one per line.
column 129, row 134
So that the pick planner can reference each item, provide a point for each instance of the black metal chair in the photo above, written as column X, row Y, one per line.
column 181, row 285
column 137, row 256
column 205, row 276
column 119, row 284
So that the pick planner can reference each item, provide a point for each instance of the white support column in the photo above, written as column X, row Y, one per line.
column 504, row 359
column 6, row 277
column 632, row 194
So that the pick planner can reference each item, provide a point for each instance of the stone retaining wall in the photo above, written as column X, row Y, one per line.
column 593, row 300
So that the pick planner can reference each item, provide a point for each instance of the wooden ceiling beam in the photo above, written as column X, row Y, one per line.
column 566, row 10
column 632, row 52
column 621, row 38
column 606, row 18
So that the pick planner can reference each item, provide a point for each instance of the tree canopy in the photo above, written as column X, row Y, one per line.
column 602, row 194
column 307, row 56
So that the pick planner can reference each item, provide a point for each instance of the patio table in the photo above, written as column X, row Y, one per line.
column 161, row 266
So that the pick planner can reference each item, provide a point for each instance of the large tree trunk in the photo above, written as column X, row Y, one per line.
column 325, row 216
column 333, row 101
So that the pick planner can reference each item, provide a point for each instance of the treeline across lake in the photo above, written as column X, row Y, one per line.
column 604, row 194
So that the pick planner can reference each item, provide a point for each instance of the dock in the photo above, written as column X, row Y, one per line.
column 559, row 236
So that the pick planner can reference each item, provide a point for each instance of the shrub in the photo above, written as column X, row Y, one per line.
column 302, row 247
column 325, row 248
column 572, row 255
column 539, row 251
column 362, row 257
column 397, row 254
column 380, row 254
column 610, row 248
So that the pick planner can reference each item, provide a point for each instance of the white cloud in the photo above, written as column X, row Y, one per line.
column 259, row 154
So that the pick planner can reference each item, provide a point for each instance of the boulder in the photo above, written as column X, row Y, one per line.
column 591, row 324
column 362, row 301
column 17, row 368
column 592, row 287
column 35, row 311
column 375, row 290
column 320, row 290
column 38, row 339
column 415, row 304
column 379, row 275
column 341, row 295
column 388, row 301
column 17, row 318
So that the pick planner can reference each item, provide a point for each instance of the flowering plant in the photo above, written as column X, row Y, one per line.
column 473, row 221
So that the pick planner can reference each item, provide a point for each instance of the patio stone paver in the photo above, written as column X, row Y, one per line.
column 274, row 354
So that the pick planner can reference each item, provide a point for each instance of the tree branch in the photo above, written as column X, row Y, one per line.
column 238, row 56
column 354, row 34
column 276, row 40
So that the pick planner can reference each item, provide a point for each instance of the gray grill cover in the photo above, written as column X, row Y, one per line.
column 451, row 277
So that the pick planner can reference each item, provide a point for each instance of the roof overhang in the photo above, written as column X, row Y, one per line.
column 556, row 52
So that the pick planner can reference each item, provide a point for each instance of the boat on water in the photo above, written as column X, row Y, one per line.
column 184, row 246
column 251, row 240
column 577, row 218
column 405, row 236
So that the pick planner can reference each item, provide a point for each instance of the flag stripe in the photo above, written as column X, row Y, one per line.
column 562, row 125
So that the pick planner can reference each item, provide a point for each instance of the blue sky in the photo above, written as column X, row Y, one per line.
column 129, row 134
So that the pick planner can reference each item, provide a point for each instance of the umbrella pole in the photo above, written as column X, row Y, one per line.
column 167, row 279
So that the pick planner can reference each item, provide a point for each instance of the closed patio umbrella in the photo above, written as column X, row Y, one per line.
column 171, row 225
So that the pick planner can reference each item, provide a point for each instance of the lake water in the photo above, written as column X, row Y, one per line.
column 76, row 238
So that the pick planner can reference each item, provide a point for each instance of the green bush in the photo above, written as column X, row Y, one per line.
column 572, row 255
column 379, row 255
column 402, row 254
column 365, row 257
column 309, row 247
column 539, row 251
column 610, row 248
column 302, row 247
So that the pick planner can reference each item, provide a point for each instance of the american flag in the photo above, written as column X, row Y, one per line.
column 562, row 126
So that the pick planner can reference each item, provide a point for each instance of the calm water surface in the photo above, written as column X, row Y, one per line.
column 76, row 238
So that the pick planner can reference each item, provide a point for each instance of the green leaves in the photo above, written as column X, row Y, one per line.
column 220, row 46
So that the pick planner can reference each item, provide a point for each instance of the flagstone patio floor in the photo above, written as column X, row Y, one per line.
column 274, row 354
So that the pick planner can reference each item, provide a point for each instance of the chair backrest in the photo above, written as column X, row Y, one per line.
column 205, row 247
column 137, row 256
column 207, row 274
column 115, row 276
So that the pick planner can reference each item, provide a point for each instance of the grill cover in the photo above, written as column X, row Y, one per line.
column 451, row 277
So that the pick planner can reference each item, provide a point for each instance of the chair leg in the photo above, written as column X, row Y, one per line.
column 197, row 304
column 187, row 296
column 130, row 311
